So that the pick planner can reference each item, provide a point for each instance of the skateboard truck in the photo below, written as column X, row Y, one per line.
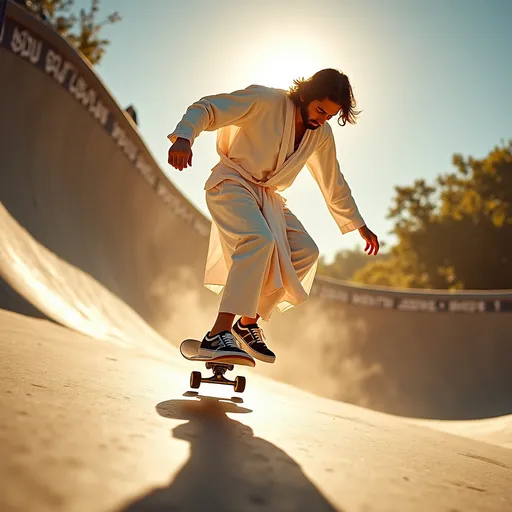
column 219, row 369
column 189, row 349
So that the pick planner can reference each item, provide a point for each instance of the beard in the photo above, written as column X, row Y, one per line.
column 306, row 119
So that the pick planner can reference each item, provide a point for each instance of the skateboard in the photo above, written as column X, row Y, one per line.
column 220, row 365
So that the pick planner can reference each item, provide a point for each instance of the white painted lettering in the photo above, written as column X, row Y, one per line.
column 62, row 74
column 332, row 293
column 128, row 147
column 52, row 62
column 417, row 305
column 466, row 306
column 99, row 111
column 78, row 87
column 365, row 299
column 28, row 47
column 146, row 170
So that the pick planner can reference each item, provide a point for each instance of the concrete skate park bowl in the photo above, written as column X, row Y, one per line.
column 96, row 238
column 101, row 261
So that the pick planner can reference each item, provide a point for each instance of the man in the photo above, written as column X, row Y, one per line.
column 260, row 255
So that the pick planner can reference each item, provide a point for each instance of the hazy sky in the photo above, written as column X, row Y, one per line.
column 433, row 79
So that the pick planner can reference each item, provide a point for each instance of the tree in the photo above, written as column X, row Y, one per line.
column 82, row 32
column 345, row 263
column 455, row 234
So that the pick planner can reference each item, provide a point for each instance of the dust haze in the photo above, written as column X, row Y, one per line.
column 308, row 355
column 107, row 249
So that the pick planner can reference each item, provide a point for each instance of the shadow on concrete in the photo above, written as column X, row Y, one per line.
column 229, row 469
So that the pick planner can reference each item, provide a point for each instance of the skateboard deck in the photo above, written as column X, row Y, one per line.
column 219, row 366
column 189, row 349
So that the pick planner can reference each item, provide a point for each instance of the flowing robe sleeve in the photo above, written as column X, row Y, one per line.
column 213, row 112
column 324, row 167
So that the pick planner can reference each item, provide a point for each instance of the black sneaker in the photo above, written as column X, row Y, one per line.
column 223, row 347
column 252, row 340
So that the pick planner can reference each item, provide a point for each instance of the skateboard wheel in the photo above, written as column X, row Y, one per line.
column 239, row 384
column 195, row 379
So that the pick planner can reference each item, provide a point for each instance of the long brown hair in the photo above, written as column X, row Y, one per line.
column 327, row 83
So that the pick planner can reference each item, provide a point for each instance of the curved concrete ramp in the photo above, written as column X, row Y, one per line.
column 413, row 363
column 95, row 237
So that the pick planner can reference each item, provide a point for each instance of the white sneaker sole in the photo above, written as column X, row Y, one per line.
column 227, row 357
column 244, row 346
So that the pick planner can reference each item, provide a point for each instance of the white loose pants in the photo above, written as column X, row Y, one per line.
column 252, row 255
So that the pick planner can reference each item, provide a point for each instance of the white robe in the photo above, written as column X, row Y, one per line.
column 255, row 143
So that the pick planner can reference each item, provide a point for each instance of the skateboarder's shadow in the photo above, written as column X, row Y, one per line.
column 229, row 469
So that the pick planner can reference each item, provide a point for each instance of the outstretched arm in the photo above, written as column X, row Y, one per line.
column 324, row 167
column 213, row 112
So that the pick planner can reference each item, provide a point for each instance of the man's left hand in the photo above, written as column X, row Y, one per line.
column 372, row 242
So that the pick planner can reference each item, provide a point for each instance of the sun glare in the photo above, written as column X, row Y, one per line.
column 280, row 71
column 278, row 62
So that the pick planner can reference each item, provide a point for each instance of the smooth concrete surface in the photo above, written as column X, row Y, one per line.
column 91, row 426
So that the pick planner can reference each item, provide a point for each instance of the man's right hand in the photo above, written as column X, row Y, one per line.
column 180, row 154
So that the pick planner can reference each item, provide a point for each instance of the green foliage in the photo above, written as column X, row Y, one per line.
column 455, row 234
column 82, row 32
column 346, row 263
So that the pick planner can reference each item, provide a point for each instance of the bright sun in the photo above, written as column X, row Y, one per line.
column 279, row 62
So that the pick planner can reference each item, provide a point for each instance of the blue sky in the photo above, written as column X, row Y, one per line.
column 432, row 78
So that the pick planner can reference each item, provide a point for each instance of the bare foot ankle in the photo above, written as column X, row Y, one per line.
column 214, row 332
column 245, row 320
column 224, row 322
